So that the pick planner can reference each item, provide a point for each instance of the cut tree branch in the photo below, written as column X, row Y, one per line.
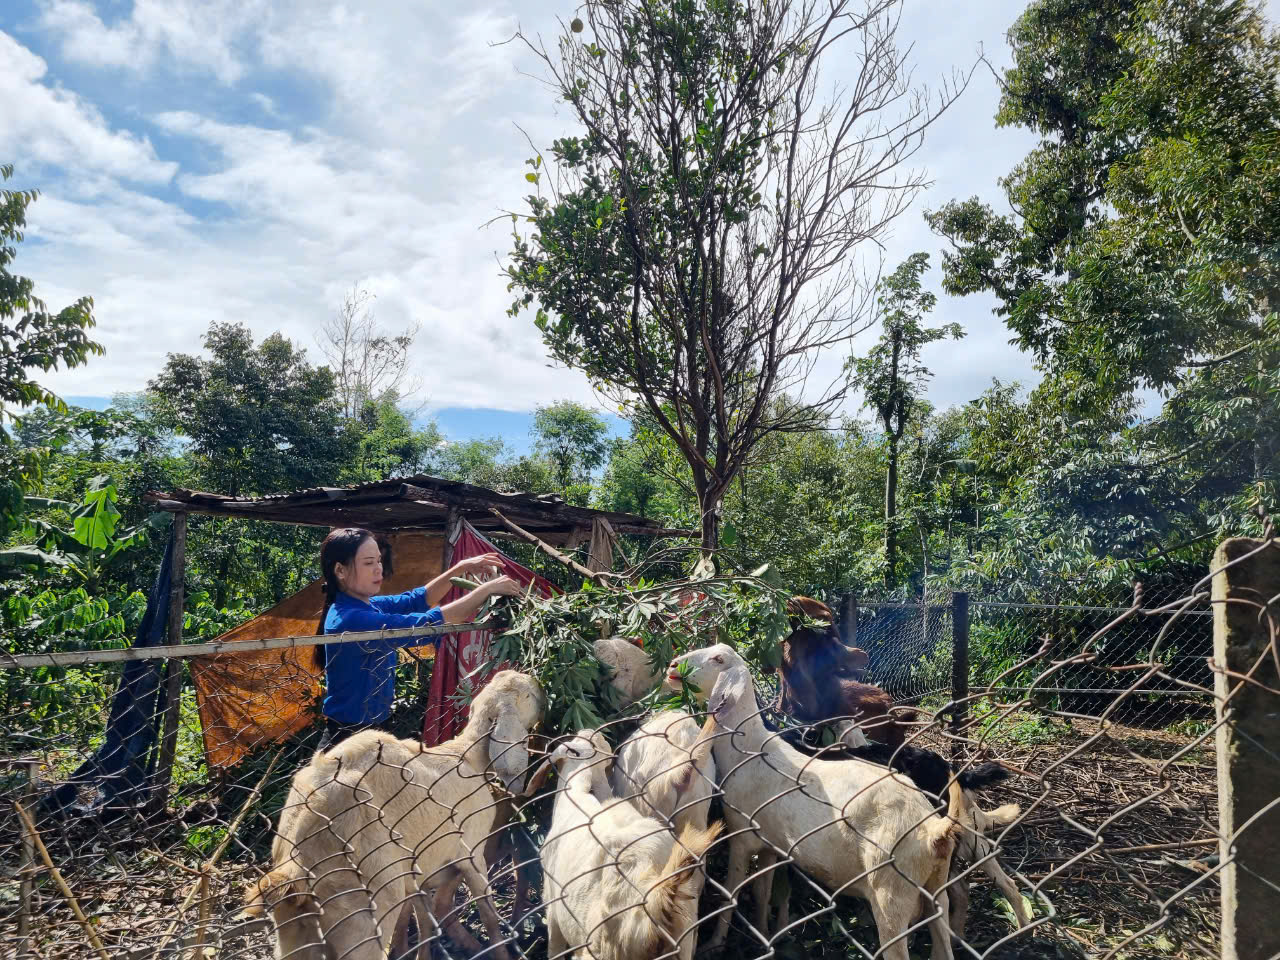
column 593, row 575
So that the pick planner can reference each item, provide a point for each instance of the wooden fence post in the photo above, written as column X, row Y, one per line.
column 173, row 678
column 1247, row 577
column 959, row 661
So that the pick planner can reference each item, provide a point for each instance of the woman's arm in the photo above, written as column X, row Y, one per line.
column 465, row 607
column 439, row 586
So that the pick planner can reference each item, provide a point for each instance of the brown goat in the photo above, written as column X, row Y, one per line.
column 821, row 679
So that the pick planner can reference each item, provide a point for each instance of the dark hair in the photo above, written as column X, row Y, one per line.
column 385, row 546
column 341, row 546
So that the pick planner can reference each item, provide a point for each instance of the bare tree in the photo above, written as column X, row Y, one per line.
column 368, row 362
column 694, row 250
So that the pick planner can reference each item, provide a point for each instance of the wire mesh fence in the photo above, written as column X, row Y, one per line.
column 909, row 647
column 1071, row 809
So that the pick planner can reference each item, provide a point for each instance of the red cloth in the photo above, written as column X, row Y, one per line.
column 460, row 653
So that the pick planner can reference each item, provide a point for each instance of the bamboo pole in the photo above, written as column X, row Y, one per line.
column 198, row 952
column 27, row 888
column 552, row 552
column 189, row 651
column 61, row 883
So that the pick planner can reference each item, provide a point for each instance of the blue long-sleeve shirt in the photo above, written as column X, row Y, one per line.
column 360, row 677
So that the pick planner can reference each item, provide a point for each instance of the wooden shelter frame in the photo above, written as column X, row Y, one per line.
column 420, row 504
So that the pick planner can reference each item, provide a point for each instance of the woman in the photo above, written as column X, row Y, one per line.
column 360, row 677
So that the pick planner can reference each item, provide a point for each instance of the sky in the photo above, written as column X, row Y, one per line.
column 252, row 160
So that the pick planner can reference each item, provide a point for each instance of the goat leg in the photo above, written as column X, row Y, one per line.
column 939, row 928
column 991, row 867
column 449, row 915
column 739, row 853
column 476, row 879
column 762, row 890
column 958, row 887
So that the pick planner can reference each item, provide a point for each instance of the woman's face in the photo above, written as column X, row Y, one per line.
column 363, row 576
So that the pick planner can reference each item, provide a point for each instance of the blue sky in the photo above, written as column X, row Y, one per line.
column 251, row 160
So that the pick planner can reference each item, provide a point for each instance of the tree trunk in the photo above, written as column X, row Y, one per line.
column 891, row 514
column 1262, row 438
column 710, row 528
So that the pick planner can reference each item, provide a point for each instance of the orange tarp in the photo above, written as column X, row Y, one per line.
column 250, row 699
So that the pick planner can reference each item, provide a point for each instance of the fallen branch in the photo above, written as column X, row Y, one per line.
column 1152, row 847
column 594, row 576
column 202, row 927
column 207, row 867
column 62, row 884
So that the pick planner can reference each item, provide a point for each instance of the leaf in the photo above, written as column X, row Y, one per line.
column 95, row 519
column 15, row 556
column 47, row 503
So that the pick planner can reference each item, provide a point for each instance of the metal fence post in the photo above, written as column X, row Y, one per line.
column 1247, row 578
column 959, row 661
column 849, row 620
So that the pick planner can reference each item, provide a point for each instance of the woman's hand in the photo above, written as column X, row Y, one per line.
column 462, row 609
column 487, row 563
column 503, row 586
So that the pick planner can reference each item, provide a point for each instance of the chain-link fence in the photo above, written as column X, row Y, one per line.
column 1069, row 807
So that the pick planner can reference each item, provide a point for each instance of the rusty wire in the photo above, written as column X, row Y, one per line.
column 1108, row 727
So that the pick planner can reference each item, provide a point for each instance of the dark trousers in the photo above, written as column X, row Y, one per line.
column 335, row 731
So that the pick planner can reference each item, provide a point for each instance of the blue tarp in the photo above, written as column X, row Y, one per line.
column 117, row 777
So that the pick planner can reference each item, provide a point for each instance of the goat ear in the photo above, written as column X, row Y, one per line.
column 730, row 687
column 540, row 776
column 508, row 746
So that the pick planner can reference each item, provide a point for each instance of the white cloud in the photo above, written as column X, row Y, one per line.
column 45, row 124
column 412, row 147
column 196, row 35
column 265, row 104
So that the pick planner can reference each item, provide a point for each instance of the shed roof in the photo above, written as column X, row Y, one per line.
column 412, row 503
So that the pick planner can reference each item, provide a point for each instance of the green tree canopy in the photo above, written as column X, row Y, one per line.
column 572, row 438
column 31, row 339
column 259, row 418
column 1142, row 252
column 892, row 378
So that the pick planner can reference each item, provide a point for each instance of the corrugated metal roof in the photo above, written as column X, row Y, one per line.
column 418, row 503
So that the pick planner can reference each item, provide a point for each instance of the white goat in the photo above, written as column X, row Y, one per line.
column 973, row 846
column 663, row 744
column 852, row 826
column 617, row 886
column 634, row 674
column 971, row 841
column 375, row 821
